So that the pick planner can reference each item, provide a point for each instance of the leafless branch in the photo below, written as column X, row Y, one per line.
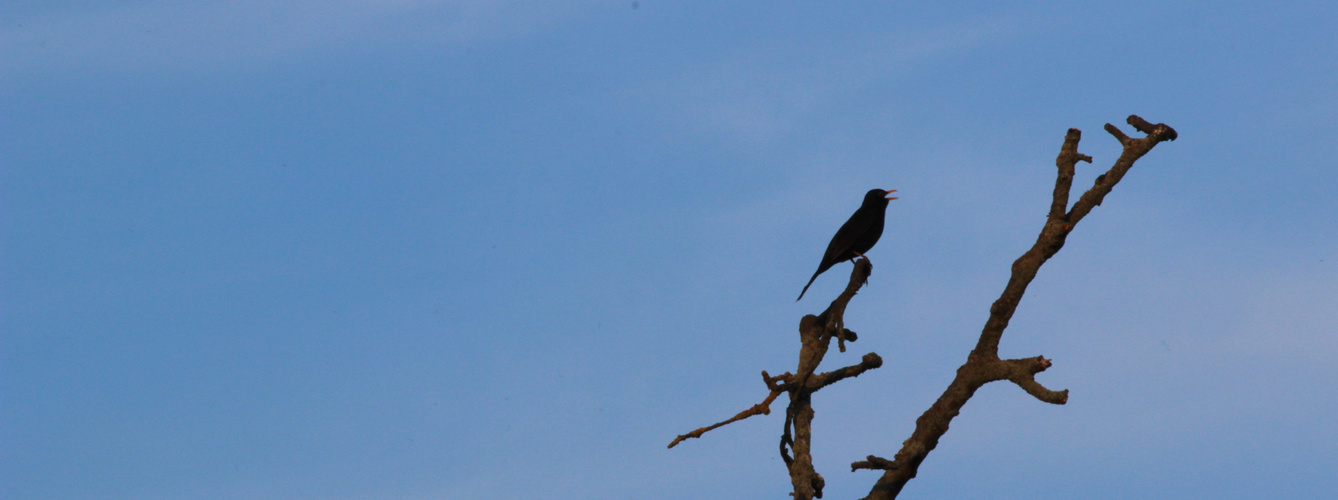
column 763, row 408
column 815, row 335
column 873, row 463
column 983, row 364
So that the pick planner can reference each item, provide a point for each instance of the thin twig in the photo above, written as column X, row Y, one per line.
column 763, row 408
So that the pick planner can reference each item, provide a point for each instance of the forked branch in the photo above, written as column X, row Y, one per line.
column 983, row 364
column 815, row 335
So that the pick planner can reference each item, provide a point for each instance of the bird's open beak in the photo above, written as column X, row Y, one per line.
column 890, row 191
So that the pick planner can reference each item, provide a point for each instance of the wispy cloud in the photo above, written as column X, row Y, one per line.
column 169, row 36
column 759, row 92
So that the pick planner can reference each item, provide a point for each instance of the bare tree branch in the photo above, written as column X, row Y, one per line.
column 869, row 362
column 873, row 463
column 815, row 335
column 763, row 408
column 1023, row 373
column 983, row 364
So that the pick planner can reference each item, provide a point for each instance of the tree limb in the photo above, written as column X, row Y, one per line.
column 983, row 364
column 815, row 335
column 763, row 408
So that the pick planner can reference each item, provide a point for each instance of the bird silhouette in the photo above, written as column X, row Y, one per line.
column 857, row 235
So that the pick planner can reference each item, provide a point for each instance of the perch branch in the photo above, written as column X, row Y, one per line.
column 815, row 334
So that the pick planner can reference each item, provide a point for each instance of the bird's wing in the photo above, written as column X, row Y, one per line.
column 839, row 248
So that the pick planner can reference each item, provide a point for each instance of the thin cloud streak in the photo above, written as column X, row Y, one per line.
column 749, row 95
column 168, row 37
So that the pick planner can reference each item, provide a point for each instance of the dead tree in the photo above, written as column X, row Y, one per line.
column 983, row 364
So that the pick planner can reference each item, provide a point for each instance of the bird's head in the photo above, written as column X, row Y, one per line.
column 879, row 196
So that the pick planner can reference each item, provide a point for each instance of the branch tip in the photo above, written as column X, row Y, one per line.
column 1119, row 135
column 872, row 360
column 763, row 408
column 1042, row 364
column 868, row 362
column 872, row 462
column 1159, row 132
column 1023, row 373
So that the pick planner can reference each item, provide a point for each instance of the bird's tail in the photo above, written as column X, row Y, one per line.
column 810, row 283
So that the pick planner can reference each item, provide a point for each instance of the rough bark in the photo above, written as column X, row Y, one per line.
column 815, row 336
column 983, row 364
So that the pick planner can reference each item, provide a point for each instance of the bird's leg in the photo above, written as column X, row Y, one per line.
column 861, row 256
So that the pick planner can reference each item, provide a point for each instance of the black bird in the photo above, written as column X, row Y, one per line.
column 857, row 235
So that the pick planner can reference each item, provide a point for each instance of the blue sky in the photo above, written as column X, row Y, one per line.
column 457, row 249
